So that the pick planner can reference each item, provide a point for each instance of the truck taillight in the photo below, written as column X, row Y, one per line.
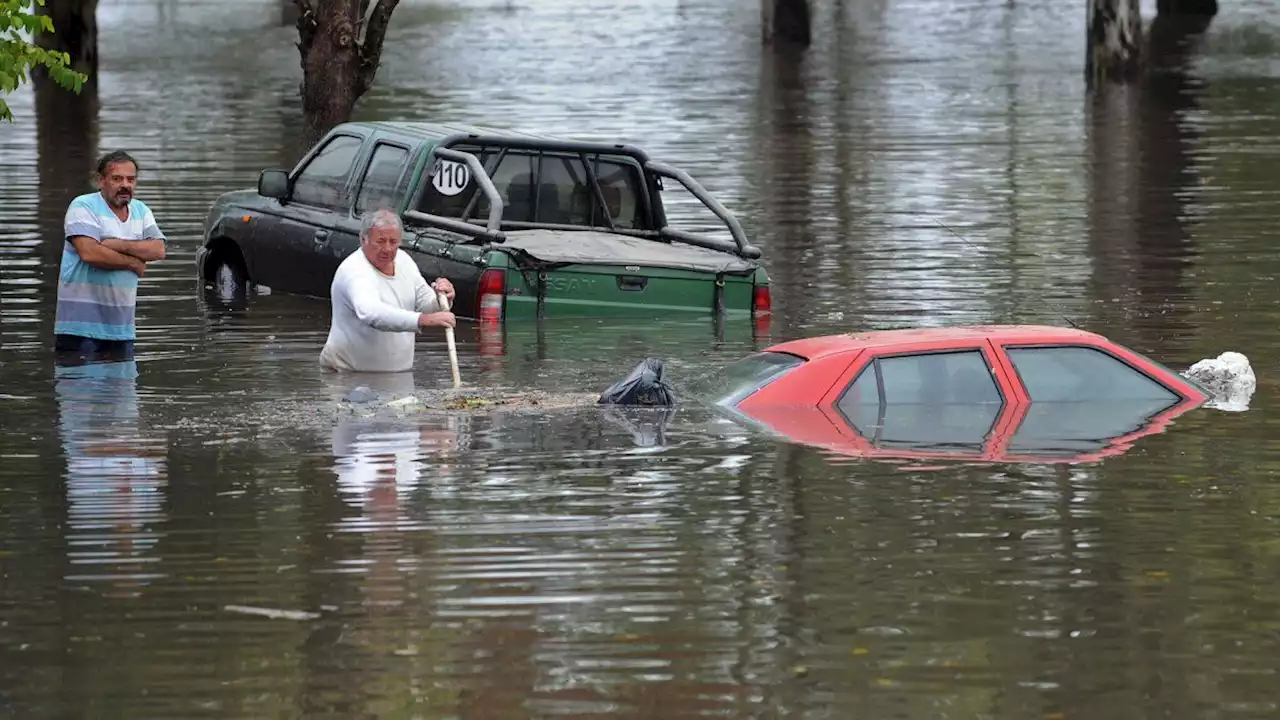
column 493, row 288
column 762, row 301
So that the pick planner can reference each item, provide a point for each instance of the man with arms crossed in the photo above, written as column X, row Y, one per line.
column 380, row 300
column 110, row 238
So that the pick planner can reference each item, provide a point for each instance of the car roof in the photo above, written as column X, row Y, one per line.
column 440, row 131
column 816, row 347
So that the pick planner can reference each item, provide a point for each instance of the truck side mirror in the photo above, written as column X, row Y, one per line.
column 274, row 184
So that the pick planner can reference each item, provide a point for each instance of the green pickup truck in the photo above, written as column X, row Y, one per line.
column 524, row 226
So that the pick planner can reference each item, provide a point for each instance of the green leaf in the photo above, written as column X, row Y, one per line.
column 19, row 26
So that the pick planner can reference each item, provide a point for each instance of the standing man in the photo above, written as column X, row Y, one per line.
column 110, row 237
column 380, row 300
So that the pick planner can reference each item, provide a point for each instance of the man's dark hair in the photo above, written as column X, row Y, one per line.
column 112, row 158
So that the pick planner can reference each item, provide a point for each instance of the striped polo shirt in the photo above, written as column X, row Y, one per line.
column 93, row 302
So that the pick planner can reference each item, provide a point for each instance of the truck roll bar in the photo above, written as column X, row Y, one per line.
column 741, row 247
column 493, row 228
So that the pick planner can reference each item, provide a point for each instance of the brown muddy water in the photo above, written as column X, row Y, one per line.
column 591, row 563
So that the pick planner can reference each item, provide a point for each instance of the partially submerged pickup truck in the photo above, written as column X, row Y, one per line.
column 523, row 225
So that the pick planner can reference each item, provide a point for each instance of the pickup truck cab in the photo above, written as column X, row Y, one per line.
column 524, row 226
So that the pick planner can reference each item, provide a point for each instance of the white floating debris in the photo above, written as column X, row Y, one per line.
column 406, row 400
column 1228, row 377
column 273, row 614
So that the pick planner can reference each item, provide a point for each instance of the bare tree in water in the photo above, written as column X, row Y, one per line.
column 785, row 22
column 341, row 46
column 1114, row 41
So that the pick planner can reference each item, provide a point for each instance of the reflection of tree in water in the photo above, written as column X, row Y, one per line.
column 115, row 477
column 1142, row 143
column 784, row 183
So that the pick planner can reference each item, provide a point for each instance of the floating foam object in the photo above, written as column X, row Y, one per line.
column 1229, row 379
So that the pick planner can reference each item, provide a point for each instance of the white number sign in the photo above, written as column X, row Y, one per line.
column 451, row 177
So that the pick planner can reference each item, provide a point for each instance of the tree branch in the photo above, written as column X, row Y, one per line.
column 371, row 49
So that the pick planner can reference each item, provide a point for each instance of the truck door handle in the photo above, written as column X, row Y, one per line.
column 632, row 282
column 322, row 237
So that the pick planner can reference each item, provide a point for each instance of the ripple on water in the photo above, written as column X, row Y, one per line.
column 923, row 164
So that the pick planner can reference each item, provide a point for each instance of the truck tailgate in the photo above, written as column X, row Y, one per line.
column 575, row 273
column 583, row 290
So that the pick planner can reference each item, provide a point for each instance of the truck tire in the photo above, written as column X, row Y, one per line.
column 226, row 274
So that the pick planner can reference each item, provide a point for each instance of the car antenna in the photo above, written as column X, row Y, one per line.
column 975, row 247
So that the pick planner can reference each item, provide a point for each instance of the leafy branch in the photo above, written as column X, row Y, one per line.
column 19, row 26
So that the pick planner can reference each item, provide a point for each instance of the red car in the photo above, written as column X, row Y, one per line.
column 989, row 393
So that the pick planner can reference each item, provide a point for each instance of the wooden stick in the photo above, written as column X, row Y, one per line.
column 448, row 337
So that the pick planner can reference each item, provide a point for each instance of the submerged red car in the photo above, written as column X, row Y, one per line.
column 1001, row 393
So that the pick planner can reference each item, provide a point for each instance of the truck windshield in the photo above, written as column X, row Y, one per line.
column 736, row 382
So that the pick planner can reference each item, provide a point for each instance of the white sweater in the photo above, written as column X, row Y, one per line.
column 375, row 316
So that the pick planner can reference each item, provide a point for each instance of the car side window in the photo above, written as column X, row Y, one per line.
column 1073, row 373
column 939, row 402
column 378, row 187
column 938, row 379
column 323, row 182
column 860, row 404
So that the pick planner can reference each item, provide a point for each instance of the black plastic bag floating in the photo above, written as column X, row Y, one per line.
column 644, row 386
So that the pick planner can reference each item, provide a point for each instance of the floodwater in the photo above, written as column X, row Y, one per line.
column 926, row 163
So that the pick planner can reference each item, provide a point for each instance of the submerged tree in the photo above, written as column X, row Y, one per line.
column 20, row 55
column 786, row 22
column 1114, row 34
column 340, row 47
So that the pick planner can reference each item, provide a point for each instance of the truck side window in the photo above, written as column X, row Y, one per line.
column 378, row 187
column 620, row 184
column 323, row 182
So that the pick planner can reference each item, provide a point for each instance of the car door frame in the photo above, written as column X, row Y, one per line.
column 1154, row 425
column 1013, row 400
column 307, row 230
column 344, row 238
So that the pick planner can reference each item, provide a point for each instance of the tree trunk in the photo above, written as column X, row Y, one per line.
column 786, row 21
column 1187, row 7
column 66, row 123
column 289, row 12
column 1114, row 35
column 75, row 32
column 340, row 47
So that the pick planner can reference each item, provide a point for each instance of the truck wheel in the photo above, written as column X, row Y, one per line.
column 229, row 280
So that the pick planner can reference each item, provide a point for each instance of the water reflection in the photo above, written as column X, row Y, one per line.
column 784, row 179
column 116, row 478
column 640, row 565
column 647, row 427
column 1035, row 433
column 379, row 466
column 1144, row 139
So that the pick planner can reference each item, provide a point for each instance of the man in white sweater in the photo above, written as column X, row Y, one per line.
column 380, row 300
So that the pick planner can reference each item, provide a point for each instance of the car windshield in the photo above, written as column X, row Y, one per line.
column 737, row 381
